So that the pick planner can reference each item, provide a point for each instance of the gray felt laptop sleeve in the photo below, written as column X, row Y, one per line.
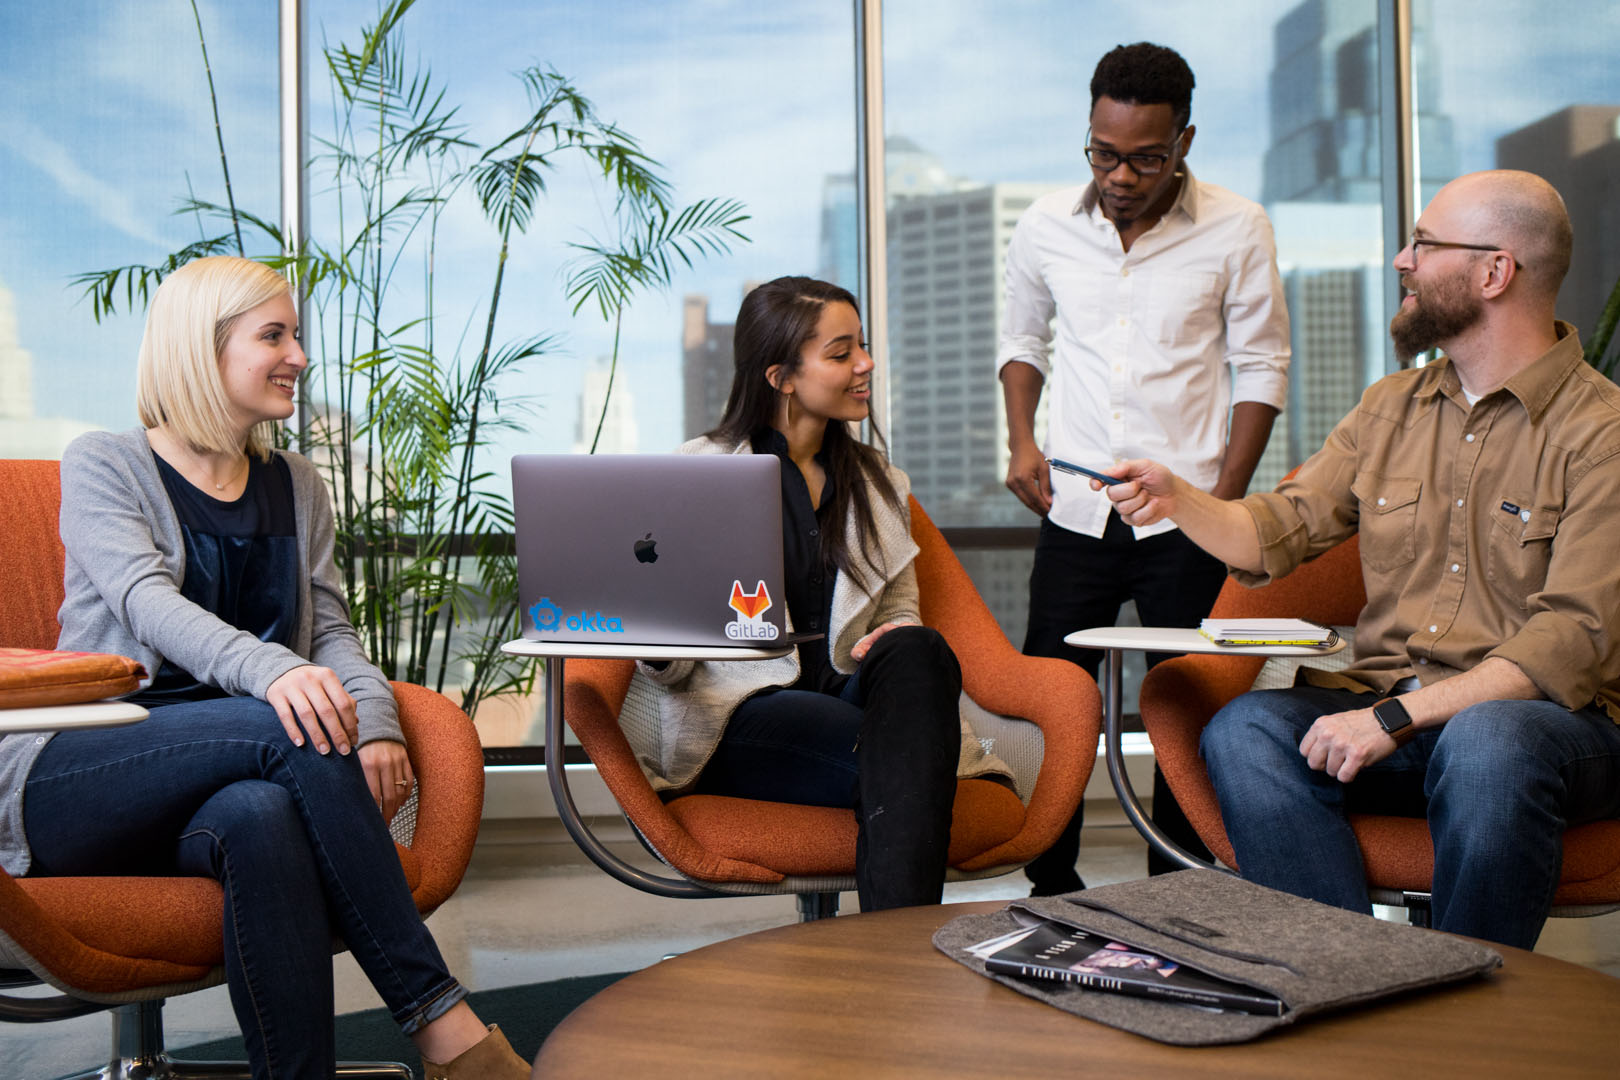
column 1311, row 956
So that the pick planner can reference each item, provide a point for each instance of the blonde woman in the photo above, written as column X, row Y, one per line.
column 272, row 757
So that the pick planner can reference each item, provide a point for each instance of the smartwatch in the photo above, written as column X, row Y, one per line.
column 1395, row 720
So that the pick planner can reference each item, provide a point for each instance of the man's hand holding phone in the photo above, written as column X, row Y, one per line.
column 1146, row 494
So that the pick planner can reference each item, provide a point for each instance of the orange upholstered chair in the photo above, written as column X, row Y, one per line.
column 1179, row 697
column 1041, row 716
column 128, row 942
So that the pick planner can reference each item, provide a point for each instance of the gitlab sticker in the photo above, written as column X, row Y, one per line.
column 750, row 624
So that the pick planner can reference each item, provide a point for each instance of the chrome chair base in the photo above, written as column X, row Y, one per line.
column 138, row 1054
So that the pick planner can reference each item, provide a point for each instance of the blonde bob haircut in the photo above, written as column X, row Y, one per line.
column 177, row 380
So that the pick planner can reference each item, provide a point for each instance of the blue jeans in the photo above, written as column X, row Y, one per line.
column 1499, row 784
column 884, row 742
column 216, row 789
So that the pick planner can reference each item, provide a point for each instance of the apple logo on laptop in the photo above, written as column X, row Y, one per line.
column 647, row 549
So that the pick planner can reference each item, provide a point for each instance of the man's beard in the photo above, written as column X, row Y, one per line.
column 1440, row 315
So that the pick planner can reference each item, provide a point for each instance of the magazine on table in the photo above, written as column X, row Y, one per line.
column 1054, row 952
column 1268, row 632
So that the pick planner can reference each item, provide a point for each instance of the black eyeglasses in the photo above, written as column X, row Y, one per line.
column 1416, row 242
column 1141, row 164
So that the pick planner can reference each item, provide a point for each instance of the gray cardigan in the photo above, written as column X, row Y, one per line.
column 702, row 695
column 125, row 563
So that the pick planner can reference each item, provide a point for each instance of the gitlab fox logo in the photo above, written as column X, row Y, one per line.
column 750, row 609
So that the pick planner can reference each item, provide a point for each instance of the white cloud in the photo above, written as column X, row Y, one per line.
column 102, row 196
column 121, row 57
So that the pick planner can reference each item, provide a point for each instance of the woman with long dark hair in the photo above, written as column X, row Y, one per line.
column 867, row 716
column 272, row 754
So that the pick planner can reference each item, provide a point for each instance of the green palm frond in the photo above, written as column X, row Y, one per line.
column 1598, row 353
column 136, row 282
column 508, row 189
column 647, row 258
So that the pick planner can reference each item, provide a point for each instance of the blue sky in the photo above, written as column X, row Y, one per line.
column 107, row 122
column 106, row 116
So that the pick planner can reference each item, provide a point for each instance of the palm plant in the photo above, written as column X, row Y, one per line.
column 397, row 419
column 1598, row 352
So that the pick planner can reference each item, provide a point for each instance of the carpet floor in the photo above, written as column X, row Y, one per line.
column 526, row 1014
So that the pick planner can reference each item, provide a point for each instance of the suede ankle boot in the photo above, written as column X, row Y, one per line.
column 490, row 1058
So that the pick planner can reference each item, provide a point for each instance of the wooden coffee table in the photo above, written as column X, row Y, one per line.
column 869, row 996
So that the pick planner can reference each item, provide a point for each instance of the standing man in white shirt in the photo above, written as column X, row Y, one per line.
column 1162, row 296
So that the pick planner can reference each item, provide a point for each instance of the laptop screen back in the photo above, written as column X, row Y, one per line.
column 650, row 549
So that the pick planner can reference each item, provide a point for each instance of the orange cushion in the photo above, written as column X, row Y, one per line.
column 986, row 814
column 1396, row 851
column 800, row 841
column 1398, row 854
column 114, row 934
column 178, row 920
column 819, row 841
column 33, row 677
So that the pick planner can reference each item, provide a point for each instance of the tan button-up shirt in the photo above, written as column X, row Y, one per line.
column 1485, row 531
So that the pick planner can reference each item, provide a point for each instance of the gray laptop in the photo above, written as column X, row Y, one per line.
column 650, row 549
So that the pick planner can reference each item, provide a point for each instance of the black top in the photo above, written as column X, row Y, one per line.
column 241, row 564
column 807, row 572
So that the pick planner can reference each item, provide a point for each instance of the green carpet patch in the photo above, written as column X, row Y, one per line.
column 526, row 1014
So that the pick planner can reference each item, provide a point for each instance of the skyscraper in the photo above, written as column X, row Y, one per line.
column 1331, row 271
column 1577, row 151
column 908, row 170
column 947, row 266
column 619, row 434
column 840, row 259
column 23, row 434
column 1325, row 108
column 947, row 261
column 947, row 240
column 706, row 367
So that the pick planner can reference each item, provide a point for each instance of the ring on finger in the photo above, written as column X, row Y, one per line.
column 402, row 783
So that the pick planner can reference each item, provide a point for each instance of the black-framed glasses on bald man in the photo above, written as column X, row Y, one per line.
column 1416, row 242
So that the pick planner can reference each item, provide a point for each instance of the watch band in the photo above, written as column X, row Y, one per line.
column 1395, row 720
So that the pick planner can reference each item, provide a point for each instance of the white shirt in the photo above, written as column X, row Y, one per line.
column 1145, row 338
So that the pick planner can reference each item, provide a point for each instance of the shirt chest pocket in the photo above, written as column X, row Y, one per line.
column 1181, row 310
column 1388, row 519
column 1519, row 549
column 1087, row 301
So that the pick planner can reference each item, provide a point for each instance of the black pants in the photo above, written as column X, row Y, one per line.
column 884, row 741
column 1080, row 582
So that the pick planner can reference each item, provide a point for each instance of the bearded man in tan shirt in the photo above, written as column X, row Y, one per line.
column 1486, row 684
